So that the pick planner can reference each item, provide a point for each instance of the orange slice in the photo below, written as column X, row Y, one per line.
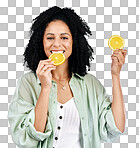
column 58, row 58
column 116, row 42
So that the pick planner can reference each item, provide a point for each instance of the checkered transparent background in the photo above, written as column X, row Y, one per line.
column 105, row 18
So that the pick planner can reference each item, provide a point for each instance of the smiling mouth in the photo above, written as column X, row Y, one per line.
column 58, row 51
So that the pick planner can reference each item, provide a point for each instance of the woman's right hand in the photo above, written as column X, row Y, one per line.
column 44, row 73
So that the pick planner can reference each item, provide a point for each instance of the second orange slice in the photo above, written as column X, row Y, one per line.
column 116, row 42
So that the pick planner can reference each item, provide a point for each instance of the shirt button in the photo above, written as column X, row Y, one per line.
column 82, row 118
column 61, row 106
column 58, row 128
column 56, row 138
column 84, row 134
column 60, row 117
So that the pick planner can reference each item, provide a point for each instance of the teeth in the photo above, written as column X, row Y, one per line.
column 57, row 51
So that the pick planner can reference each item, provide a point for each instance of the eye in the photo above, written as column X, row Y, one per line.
column 64, row 38
column 50, row 38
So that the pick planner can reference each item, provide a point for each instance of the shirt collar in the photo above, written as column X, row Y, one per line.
column 73, row 74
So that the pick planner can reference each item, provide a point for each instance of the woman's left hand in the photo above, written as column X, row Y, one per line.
column 118, row 59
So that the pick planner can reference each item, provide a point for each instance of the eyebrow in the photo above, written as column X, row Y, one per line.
column 60, row 34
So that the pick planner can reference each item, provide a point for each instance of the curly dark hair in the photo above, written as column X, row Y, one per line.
column 81, row 50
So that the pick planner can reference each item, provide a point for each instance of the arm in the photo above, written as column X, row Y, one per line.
column 118, row 109
column 21, row 116
column 41, row 110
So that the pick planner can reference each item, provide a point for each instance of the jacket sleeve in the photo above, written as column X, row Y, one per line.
column 107, row 127
column 21, row 116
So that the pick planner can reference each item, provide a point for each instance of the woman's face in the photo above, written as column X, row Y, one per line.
column 57, row 36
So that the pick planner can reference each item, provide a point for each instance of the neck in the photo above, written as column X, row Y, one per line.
column 61, row 72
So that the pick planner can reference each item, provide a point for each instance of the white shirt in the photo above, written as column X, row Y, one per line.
column 68, row 127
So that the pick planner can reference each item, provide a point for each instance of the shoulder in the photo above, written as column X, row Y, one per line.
column 91, row 78
column 29, row 77
column 92, row 82
column 26, row 85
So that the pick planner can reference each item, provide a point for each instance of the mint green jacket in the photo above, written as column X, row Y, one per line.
column 93, row 104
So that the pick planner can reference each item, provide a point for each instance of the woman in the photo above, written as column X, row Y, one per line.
column 64, row 106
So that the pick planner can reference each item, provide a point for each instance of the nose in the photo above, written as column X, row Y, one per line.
column 57, row 42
